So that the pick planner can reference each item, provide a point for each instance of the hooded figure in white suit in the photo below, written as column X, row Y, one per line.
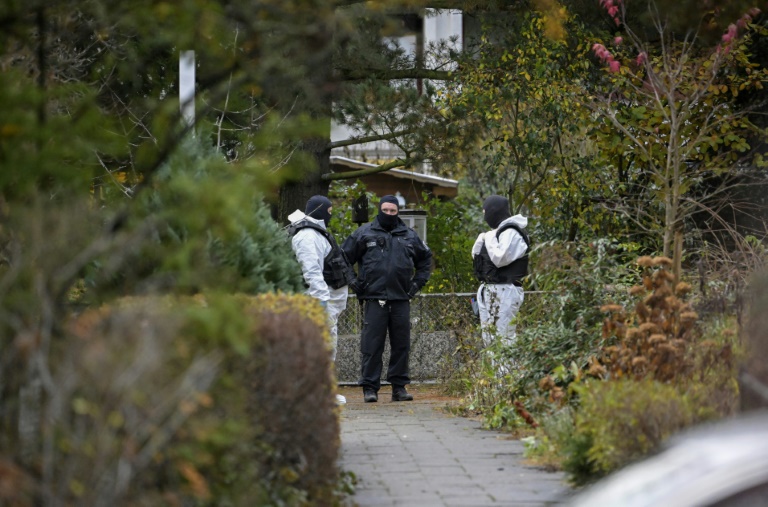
column 312, row 248
column 500, row 258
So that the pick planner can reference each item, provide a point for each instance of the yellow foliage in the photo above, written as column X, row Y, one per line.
column 197, row 482
column 280, row 302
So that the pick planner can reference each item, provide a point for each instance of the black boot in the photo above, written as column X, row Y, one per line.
column 369, row 395
column 400, row 394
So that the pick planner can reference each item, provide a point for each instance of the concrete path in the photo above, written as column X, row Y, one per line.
column 413, row 454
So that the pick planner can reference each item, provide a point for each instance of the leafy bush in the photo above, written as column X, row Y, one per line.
column 452, row 228
column 290, row 401
column 555, row 434
column 623, row 421
column 259, row 259
column 581, row 277
column 560, row 325
column 653, row 340
column 215, row 400
column 663, row 372
column 343, row 196
column 557, row 325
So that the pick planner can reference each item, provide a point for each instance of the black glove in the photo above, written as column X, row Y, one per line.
column 355, row 286
column 412, row 292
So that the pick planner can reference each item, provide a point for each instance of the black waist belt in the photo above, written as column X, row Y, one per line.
column 516, row 283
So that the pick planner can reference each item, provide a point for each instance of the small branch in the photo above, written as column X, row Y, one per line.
column 287, row 114
column 284, row 161
column 226, row 104
column 123, row 189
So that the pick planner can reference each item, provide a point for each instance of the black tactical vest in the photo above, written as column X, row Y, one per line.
column 337, row 272
column 487, row 272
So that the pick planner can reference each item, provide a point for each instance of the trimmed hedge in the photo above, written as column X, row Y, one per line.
column 290, row 381
column 215, row 400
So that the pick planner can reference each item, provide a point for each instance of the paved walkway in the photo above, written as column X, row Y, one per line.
column 413, row 454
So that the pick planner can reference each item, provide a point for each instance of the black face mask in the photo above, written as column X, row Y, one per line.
column 317, row 208
column 496, row 210
column 388, row 222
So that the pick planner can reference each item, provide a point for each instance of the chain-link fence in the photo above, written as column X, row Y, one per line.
column 429, row 313
column 438, row 321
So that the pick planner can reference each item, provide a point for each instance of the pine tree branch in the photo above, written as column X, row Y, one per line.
column 369, row 139
column 357, row 74
column 365, row 172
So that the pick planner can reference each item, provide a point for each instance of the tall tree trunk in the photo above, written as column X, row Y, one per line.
column 677, row 259
column 319, row 64
column 295, row 195
column 669, row 226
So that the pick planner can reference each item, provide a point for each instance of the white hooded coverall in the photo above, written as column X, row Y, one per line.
column 498, row 303
column 311, row 248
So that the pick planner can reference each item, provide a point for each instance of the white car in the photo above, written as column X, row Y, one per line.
column 719, row 464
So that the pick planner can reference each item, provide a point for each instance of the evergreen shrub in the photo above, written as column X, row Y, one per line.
column 209, row 240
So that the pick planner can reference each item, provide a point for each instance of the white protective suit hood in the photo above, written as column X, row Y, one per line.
column 311, row 248
column 508, row 247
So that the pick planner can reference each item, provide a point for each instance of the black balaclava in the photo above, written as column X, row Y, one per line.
column 496, row 210
column 317, row 207
column 388, row 222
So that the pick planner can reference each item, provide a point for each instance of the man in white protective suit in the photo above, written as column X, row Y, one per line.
column 326, row 271
column 500, row 260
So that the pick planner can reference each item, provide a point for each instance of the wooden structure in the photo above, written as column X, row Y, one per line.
column 409, row 184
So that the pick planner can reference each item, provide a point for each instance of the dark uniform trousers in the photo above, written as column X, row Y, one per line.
column 393, row 316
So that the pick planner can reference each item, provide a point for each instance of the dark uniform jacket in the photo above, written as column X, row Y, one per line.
column 389, row 263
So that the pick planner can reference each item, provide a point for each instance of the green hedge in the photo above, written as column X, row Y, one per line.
column 622, row 421
column 215, row 400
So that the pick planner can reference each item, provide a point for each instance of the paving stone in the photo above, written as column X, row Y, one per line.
column 413, row 454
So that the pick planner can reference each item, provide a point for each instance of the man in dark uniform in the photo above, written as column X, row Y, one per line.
column 393, row 265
